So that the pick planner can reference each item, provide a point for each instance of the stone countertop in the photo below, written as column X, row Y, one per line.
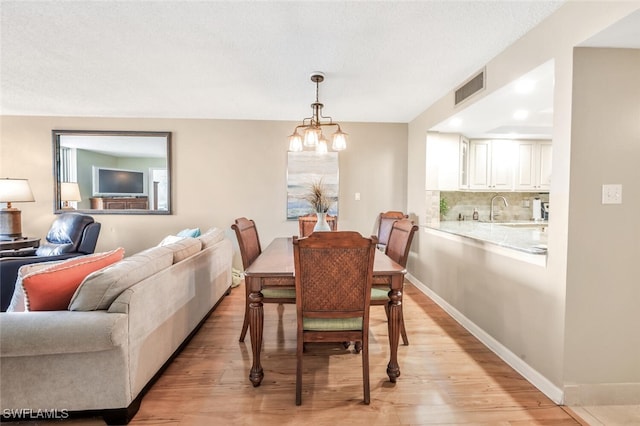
column 526, row 236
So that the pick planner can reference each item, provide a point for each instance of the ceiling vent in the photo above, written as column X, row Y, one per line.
column 471, row 87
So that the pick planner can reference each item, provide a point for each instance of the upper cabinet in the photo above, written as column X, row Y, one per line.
column 443, row 162
column 455, row 163
column 464, row 163
column 533, row 169
column 491, row 165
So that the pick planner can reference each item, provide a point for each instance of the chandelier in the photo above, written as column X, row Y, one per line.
column 311, row 127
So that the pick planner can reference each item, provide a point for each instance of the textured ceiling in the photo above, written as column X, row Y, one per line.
column 384, row 61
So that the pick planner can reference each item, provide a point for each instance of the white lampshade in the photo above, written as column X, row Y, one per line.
column 15, row 191
column 69, row 191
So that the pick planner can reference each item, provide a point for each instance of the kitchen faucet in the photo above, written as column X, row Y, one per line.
column 491, row 214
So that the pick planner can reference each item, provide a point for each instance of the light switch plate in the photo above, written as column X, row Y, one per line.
column 612, row 194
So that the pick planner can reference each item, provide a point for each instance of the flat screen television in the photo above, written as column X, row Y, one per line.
column 109, row 182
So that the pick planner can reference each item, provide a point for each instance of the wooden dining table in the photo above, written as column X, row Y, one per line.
column 274, row 268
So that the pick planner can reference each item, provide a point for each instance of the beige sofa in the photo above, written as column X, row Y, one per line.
column 56, row 363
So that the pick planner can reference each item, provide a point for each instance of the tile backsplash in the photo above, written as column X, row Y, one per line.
column 463, row 203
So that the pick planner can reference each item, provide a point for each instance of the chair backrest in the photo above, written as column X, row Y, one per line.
column 248, row 240
column 400, row 241
column 307, row 222
column 385, row 221
column 333, row 275
column 66, row 235
column 89, row 238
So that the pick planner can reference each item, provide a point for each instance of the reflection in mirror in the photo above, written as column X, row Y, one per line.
column 116, row 172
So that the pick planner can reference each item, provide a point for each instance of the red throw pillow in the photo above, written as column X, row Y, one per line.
column 52, row 289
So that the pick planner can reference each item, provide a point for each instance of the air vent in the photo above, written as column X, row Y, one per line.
column 471, row 87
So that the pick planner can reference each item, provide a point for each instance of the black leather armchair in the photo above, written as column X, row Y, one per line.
column 70, row 235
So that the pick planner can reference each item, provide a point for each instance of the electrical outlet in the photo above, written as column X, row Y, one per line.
column 357, row 196
column 612, row 194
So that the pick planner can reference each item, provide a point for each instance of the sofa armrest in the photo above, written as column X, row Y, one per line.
column 56, row 332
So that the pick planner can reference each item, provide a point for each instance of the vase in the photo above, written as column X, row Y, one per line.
column 321, row 224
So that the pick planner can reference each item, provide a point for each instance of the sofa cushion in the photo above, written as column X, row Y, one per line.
column 184, row 248
column 51, row 289
column 211, row 237
column 102, row 287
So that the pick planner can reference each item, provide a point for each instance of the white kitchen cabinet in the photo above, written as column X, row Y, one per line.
column 443, row 162
column 455, row 163
column 491, row 164
column 464, row 163
column 533, row 167
column 544, row 165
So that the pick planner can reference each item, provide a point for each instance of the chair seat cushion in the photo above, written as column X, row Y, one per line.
column 331, row 324
column 379, row 293
column 277, row 293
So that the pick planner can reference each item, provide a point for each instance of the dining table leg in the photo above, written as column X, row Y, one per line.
column 395, row 325
column 256, row 324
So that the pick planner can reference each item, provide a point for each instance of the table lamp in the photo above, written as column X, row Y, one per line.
column 69, row 191
column 13, row 191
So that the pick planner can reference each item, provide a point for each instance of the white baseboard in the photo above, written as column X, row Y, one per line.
column 552, row 391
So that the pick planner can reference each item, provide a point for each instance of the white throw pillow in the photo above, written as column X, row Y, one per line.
column 170, row 239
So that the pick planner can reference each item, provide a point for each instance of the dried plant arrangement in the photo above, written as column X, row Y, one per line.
column 318, row 198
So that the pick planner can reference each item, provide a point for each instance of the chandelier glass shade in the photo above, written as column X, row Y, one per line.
column 312, row 136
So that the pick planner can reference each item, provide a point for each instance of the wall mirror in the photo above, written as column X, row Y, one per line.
column 112, row 172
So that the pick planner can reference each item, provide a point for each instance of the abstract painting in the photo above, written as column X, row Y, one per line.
column 305, row 168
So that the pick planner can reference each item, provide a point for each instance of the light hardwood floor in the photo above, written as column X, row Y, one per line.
column 448, row 377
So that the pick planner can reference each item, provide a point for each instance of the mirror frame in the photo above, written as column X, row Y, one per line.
column 57, row 199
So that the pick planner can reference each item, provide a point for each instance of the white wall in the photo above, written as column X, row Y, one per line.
column 520, row 306
column 222, row 169
column 603, row 286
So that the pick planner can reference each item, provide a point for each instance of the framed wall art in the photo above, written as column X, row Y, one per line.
column 303, row 169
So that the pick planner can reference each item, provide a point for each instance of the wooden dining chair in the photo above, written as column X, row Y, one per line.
column 308, row 221
column 397, row 249
column 250, row 249
column 333, row 275
column 385, row 222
